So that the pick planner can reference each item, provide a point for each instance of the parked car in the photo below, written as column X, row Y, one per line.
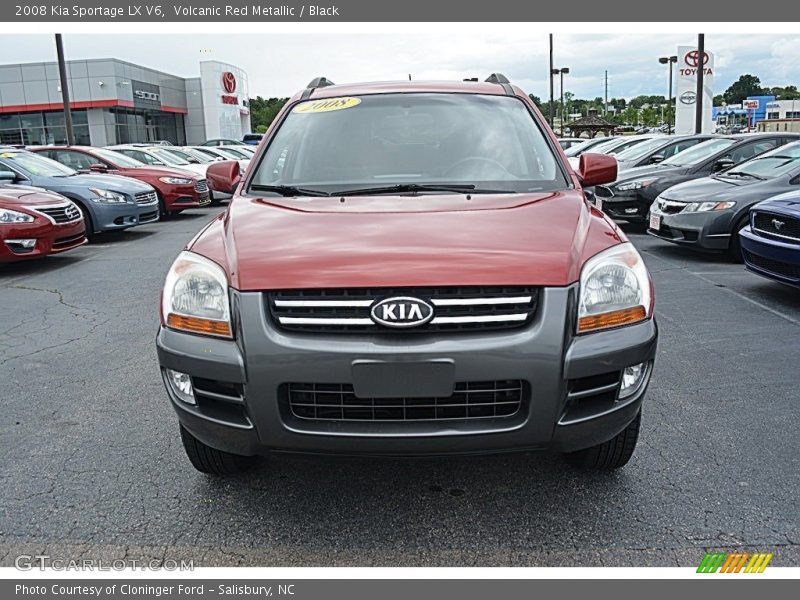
column 108, row 202
column 452, row 296
column 707, row 213
column 578, row 149
column 177, row 189
column 221, row 142
column 162, row 156
column 771, row 240
column 223, row 153
column 567, row 143
column 631, row 196
column 35, row 223
column 252, row 138
column 656, row 150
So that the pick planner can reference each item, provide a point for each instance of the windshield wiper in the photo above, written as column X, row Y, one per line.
column 462, row 188
column 743, row 174
column 288, row 190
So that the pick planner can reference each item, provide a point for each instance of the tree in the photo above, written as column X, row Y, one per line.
column 263, row 111
column 746, row 85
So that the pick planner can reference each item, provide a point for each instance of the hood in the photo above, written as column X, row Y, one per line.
column 156, row 171
column 647, row 171
column 116, row 183
column 787, row 203
column 23, row 195
column 706, row 188
column 396, row 241
column 197, row 169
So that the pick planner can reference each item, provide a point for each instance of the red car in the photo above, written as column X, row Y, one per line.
column 35, row 223
column 409, row 268
column 177, row 189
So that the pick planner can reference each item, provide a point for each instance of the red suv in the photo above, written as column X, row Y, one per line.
column 177, row 189
column 409, row 268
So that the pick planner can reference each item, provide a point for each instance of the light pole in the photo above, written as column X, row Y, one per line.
column 561, row 72
column 669, row 60
column 551, row 81
column 62, row 73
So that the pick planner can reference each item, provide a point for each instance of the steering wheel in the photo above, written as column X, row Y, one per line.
column 475, row 159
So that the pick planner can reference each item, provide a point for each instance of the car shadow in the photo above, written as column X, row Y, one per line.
column 37, row 266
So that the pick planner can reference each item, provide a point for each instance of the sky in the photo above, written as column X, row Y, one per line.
column 280, row 64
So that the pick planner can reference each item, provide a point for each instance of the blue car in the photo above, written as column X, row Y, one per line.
column 771, row 242
column 108, row 202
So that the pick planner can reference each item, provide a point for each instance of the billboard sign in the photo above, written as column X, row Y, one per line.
column 689, row 61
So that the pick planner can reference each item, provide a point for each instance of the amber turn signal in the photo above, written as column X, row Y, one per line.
column 615, row 318
column 198, row 325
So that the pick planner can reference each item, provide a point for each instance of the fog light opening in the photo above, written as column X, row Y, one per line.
column 181, row 385
column 633, row 379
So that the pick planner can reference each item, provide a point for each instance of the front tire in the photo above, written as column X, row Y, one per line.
column 212, row 461
column 735, row 246
column 91, row 236
column 613, row 454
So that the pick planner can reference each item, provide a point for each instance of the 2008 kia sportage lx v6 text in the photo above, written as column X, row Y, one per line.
column 409, row 269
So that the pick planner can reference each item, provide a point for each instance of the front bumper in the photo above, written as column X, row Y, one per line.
column 703, row 230
column 112, row 217
column 50, row 239
column 771, row 258
column 247, row 412
column 626, row 206
column 179, row 197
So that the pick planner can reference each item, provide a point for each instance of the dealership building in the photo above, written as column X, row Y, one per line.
column 117, row 102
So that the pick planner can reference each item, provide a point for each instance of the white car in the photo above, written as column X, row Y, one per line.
column 222, row 153
column 163, row 155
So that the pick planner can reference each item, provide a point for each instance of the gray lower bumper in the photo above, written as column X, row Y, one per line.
column 544, row 355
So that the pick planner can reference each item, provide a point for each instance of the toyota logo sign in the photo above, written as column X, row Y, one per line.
column 229, row 82
column 693, row 58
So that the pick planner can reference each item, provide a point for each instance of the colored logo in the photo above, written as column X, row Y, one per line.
column 693, row 58
column 736, row 562
column 228, row 82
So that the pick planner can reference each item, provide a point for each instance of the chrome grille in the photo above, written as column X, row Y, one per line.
column 454, row 309
column 779, row 226
column 146, row 197
column 670, row 207
column 201, row 187
column 472, row 400
column 65, row 213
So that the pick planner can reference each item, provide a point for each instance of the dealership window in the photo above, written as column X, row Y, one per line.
column 133, row 125
column 773, row 115
column 793, row 115
column 38, row 128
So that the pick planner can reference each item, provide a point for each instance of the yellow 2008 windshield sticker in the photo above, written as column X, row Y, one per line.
column 326, row 105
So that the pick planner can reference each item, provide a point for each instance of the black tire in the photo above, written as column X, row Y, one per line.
column 735, row 245
column 87, row 220
column 162, row 207
column 212, row 461
column 613, row 454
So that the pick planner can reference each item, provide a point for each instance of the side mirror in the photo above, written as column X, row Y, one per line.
column 722, row 164
column 98, row 168
column 224, row 176
column 656, row 158
column 8, row 176
column 596, row 169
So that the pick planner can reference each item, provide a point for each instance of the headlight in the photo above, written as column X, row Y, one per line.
column 107, row 196
column 175, row 180
column 195, row 297
column 8, row 216
column 636, row 184
column 615, row 290
column 708, row 206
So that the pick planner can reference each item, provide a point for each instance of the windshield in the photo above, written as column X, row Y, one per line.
column 698, row 153
column 423, row 139
column 117, row 158
column 169, row 157
column 34, row 165
column 778, row 162
column 585, row 146
column 641, row 150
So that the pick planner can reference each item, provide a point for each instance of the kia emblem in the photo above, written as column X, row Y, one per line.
column 401, row 312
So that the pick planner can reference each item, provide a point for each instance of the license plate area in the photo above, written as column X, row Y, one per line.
column 401, row 379
column 655, row 222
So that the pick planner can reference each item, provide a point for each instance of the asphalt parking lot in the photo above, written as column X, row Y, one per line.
column 92, row 464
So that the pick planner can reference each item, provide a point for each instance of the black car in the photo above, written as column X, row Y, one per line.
column 630, row 197
column 708, row 213
column 657, row 150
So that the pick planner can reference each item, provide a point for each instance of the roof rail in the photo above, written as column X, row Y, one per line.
column 497, row 78
column 317, row 82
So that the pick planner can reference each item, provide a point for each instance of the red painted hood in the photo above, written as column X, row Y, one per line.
column 395, row 241
column 12, row 196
